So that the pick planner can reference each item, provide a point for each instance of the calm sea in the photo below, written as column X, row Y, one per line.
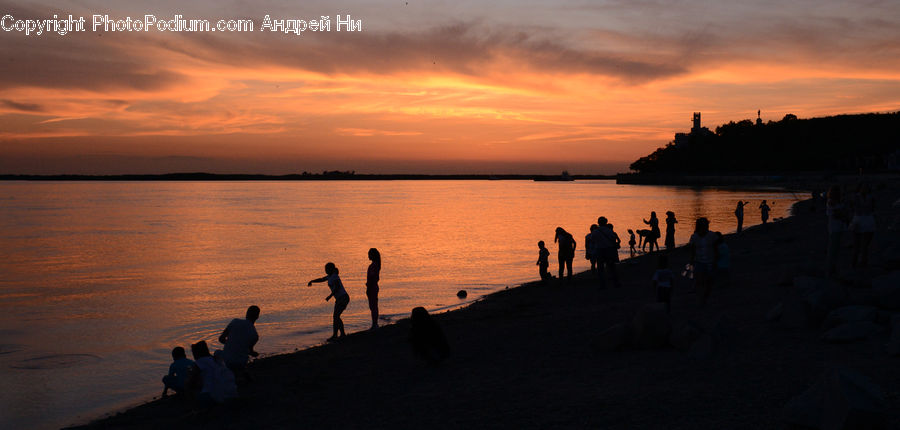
column 99, row 280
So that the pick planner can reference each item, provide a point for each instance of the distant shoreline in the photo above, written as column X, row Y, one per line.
column 342, row 176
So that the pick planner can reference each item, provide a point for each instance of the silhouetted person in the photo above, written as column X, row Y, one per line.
column 427, row 338
column 662, row 282
column 590, row 248
column 179, row 370
column 723, row 261
column 670, row 229
column 566, row 251
column 631, row 242
column 644, row 238
column 654, row 236
column 764, row 212
column 373, row 275
column 210, row 379
column 341, row 298
column 607, row 243
column 617, row 239
column 543, row 262
column 238, row 340
column 703, row 257
column 862, row 225
column 838, row 216
column 739, row 214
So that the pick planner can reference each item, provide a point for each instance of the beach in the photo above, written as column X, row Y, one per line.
column 531, row 356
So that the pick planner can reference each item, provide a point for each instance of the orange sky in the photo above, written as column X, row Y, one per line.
column 428, row 87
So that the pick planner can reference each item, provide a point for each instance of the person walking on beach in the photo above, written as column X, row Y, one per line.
column 662, row 282
column 631, row 242
column 653, row 238
column 703, row 258
column 739, row 214
column 837, row 224
column 239, row 338
column 607, row 243
column 373, row 275
column 341, row 298
column 543, row 262
column 862, row 225
column 764, row 212
column 566, row 252
column 670, row 230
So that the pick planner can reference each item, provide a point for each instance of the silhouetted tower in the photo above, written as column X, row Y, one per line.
column 696, row 127
column 758, row 117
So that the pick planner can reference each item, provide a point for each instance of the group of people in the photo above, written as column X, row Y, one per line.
column 710, row 255
column 854, row 214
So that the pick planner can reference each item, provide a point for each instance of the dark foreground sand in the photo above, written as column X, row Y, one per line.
column 523, row 358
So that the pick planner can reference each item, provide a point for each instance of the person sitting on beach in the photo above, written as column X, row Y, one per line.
column 566, row 251
column 341, row 298
column 543, row 262
column 590, row 248
column 427, row 338
column 631, row 242
column 373, row 275
column 739, row 214
column 764, row 212
column 653, row 238
column 178, row 372
column 670, row 230
column 238, row 340
column 703, row 258
column 723, row 262
column 210, row 379
column 662, row 282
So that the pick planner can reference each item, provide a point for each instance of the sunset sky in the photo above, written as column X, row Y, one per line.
column 427, row 86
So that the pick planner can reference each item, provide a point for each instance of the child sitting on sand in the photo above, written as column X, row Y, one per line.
column 631, row 242
column 543, row 261
column 178, row 372
column 662, row 282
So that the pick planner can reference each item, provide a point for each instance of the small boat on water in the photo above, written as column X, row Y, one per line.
column 562, row 177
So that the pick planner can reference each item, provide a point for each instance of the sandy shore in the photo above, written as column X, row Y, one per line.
column 523, row 358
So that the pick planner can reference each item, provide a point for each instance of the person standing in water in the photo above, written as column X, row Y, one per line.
column 566, row 252
column 373, row 275
column 764, row 212
column 739, row 214
column 670, row 230
column 654, row 231
column 341, row 298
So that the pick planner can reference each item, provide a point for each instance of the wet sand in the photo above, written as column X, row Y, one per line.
column 523, row 358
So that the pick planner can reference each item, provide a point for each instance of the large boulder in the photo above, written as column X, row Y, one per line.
column 886, row 290
column 852, row 401
column 651, row 326
column 684, row 334
column 795, row 312
column 613, row 338
column 842, row 399
column 848, row 314
column 851, row 332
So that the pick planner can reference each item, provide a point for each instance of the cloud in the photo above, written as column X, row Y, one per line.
column 23, row 107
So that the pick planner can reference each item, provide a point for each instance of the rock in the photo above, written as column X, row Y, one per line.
column 886, row 290
column 848, row 314
column 851, row 332
column 651, row 326
column 684, row 334
column 775, row 313
column 827, row 298
column 842, row 399
column 806, row 409
column 613, row 338
column 852, row 401
column 462, row 294
column 795, row 312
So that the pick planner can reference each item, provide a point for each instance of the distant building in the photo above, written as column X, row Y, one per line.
column 696, row 127
column 758, row 118
column 682, row 139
